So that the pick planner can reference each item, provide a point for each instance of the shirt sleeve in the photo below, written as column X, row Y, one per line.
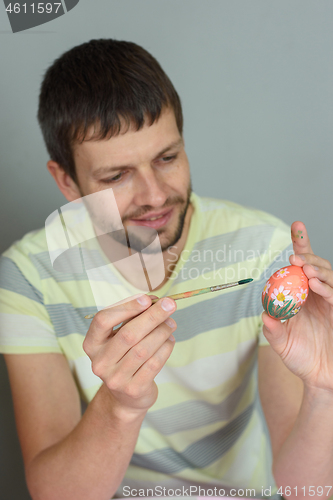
column 25, row 326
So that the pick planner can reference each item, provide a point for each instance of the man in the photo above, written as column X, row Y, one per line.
column 160, row 412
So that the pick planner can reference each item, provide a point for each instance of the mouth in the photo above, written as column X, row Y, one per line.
column 154, row 220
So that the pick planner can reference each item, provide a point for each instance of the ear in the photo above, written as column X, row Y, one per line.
column 64, row 181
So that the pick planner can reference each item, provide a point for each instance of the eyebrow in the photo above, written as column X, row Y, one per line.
column 107, row 169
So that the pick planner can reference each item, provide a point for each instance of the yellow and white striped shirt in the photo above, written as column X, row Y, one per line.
column 205, row 428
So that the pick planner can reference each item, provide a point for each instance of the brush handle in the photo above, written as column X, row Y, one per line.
column 185, row 295
column 200, row 291
column 193, row 293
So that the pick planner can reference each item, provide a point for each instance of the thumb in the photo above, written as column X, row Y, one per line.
column 276, row 333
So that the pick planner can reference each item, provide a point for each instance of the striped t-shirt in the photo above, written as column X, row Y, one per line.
column 205, row 429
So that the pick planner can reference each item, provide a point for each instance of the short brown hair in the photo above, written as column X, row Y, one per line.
column 105, row 83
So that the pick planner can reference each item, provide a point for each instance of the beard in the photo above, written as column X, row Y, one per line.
column 140, row 235
column 137, row 238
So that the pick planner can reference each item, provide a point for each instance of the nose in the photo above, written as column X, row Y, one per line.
column 149, row 189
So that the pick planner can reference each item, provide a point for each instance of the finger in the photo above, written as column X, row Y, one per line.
column 108, row 365
column 322, row 289
column 91, row 316
column 148, row 371
column 136, row 329
column 276, row 333
column 309, row 258
column 117, row 328
column 104, row 321
column 300, row 238
column 147, row 347
column 322, row 273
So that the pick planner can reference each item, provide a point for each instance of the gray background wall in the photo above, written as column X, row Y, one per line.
column 256, row 82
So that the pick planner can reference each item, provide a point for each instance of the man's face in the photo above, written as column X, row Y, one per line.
column 148, row 172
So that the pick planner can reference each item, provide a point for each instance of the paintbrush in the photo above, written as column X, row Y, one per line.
column 200, row 291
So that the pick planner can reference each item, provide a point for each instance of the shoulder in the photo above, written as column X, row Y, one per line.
column 224, row 217
column 39, row 251
column 236, row 213
column 31, row 243
column 20, row 257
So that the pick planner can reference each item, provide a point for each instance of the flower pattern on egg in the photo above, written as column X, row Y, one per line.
column 302, row 295
column 283, row 272
column 285, row 292
column 280, row 296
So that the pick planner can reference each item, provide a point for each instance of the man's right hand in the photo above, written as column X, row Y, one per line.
column 128, row 361
column 59, row 445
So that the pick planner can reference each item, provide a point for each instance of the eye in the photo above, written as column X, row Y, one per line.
column 168, row 159
column 116, row 178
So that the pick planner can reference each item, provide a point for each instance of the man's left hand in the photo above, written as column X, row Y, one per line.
column 305, row 342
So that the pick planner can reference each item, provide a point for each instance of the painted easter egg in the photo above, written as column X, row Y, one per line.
column 285, row 292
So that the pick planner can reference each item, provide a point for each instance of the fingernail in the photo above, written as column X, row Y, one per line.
column 301, row 256
column 167, row 305
column 143, row 300
column 315, row 268
column 170, row 322
column 172, row 338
